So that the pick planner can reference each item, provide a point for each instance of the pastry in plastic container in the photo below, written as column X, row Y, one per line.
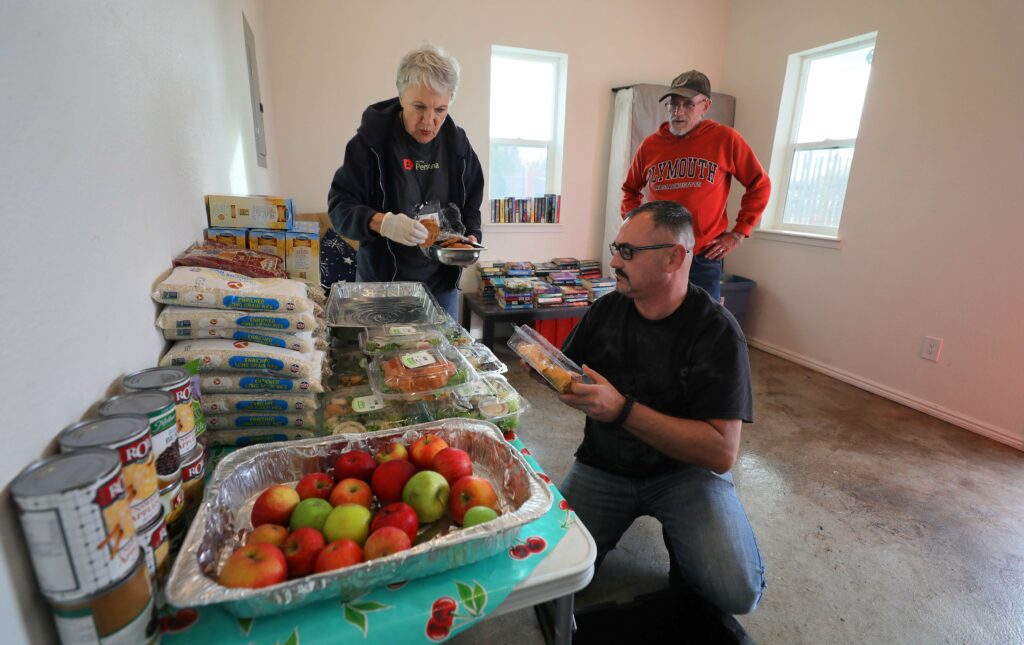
column 359, row 409
column 556, row 368
column 417, row 373
column 223, row 520
column 482, row 359
column 390, row 338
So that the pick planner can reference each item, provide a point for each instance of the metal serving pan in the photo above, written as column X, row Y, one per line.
column 372, row 304
column 222, row 522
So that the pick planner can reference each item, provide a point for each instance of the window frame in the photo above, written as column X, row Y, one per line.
column 555, row 146
column 785, row 148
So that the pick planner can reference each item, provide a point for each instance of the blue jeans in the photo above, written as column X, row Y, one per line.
column 712, row 544
column 707, row 274
column 449, row 301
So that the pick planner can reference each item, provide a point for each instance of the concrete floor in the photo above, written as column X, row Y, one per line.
column 878, row 524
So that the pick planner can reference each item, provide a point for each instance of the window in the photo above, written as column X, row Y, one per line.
column 818, row 123
column 527, row 122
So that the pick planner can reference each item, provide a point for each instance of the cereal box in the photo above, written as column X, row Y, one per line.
column 302, row 259
column 233, row 236
column 267, row 241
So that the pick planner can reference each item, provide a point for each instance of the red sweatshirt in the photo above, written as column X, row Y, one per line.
column 696, row 170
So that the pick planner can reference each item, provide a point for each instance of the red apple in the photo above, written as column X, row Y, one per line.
column 268, row 534
column 338, row 554
column 352, row 491
column 357, row 464
column 275, row 505
column 399, row 515
column 254, row 566
column 386, row 541
column 394, row 450
column 315, row 485
column 453, row 464
column 301, row 550
column 422, row 451
column 389, row 480
column 469, row 492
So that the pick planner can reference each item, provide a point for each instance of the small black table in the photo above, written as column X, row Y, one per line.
column 491, row 313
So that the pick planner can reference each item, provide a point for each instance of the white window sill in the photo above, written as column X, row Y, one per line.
column 805, row 239
column 521, row 228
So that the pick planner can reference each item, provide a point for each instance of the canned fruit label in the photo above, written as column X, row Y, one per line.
column 198, row 417
column 193, row 470
column 186, row 442
column 82, row 627
column 144, row 509
column 156, row 547
column 82, row 540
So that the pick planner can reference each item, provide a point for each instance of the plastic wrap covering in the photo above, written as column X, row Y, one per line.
column 556, row 368
column 491, row 398
column 222, row 522
column 455, row 334
column 372, row 304
column 359, row 410
column 417, row 373
column 390, row 338
column 482, row 359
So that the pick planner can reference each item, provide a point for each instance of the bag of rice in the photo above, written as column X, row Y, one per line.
column 305, row 420
column 203, row 287
column 249, row 436
column 240, row 355
column 302, row 343
column 194, row 318
column 254, row 403
column 219, row 382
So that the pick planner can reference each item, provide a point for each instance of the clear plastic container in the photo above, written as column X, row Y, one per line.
column 491, row 398
column 546, row 359
column 482, row 359
column 349, row 369
column 412, row 374
column 359, row 409
column 456, row 334
column 390, row 338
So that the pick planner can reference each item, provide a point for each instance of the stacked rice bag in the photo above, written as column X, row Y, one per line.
column 259, row 343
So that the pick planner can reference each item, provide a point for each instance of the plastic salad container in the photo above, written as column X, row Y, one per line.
column 359, row 409
column 389, row 338
column 418, row 373
column 482, row 359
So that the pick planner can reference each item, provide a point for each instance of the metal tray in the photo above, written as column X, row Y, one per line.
column 372, row 304
column 456, row 257
column 222, row 522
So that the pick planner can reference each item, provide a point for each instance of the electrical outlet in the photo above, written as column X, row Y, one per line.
column 931, row 348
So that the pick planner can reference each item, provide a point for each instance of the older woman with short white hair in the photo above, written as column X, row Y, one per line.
column 408, row 160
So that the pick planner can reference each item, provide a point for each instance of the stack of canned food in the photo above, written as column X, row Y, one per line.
column 104, row 518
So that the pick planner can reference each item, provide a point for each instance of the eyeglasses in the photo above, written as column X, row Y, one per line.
column 675, row 106
column 627, row 251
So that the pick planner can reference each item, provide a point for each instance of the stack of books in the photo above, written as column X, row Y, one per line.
column 487, row 276
column 513, row 293
column 573, row 296
column 590, row 269
column 542, row 269
column 519, row 269
column 567, row 264
column 546, row 294
column 561, row 278
column 597, row 287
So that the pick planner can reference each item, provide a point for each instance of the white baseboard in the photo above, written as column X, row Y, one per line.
column 927, row 407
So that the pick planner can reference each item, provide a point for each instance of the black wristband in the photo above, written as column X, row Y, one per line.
column 627, row 407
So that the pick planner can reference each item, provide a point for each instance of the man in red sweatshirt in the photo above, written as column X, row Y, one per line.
column 692, row 160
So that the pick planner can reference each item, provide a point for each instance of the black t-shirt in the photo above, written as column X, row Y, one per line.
column 416, row 173
column 692, row 365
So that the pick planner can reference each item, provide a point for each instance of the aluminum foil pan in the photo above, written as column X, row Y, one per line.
column 222, row 523
column 372, row 304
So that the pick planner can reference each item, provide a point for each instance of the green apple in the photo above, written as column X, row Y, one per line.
column 478, row 515
column 350, row 521
column 310, row 512
column 427, row 491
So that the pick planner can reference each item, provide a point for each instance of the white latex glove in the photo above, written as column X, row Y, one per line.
column 403, row 229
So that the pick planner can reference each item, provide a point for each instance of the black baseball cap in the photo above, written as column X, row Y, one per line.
column 689, row 84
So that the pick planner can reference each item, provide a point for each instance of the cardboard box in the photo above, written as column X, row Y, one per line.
column 302, row 257
column 305, row 226
column 235, row 236
column 267, row 241
column 250, row 211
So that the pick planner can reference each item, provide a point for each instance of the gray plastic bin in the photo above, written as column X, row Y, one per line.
column 736, row 294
